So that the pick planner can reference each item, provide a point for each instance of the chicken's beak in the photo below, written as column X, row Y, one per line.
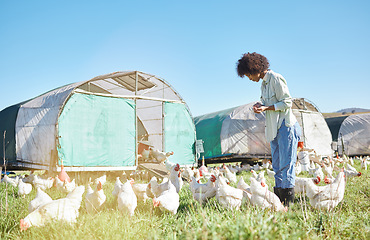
column 100, row 186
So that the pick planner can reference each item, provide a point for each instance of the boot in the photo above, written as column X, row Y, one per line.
column 287, row 196
column 277, row 191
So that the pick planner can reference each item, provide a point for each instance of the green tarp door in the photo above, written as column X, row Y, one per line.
column 97, row 131
column 179, row 133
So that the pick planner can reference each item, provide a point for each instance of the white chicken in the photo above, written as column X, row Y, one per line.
column 300, row 183
column 229, row 175
column 264, row 198
column 270, row 173
column 40, row 199
column 157, row 189
column 266, row 165
column 254, row 174
column 127, row 200
column 11, row 181
column 161, row 157
column 42, row 183
column 257, row 167
column 298, row 168
column 196, row 173
column 195, row 186
column 243, row 185
column 94, row 199
column 187, row 173
column 69, row 186
column 117, row 187
column 317, row 171
column 169, row 200
column 247, row 194
column 364, row 163
column 350, row 171
column 202, row 192
column 101, row 179
column 145, row 154
column 328, row 180
column 140, row 191
column 58, row 183
column 261, row 177
column 29, row 177
column 24, row 188
column 227, row 196
column 232, row 169
column 326, row 197
column 64, row 209
column 246, row 167
column 169, row 165
column 175, row 177
column 328, row 170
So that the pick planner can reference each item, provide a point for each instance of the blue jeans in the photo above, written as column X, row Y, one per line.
column 284, row 155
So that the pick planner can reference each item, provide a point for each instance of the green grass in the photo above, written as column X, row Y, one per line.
column 349, row 220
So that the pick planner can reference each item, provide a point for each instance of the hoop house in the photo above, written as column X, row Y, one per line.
column 241, row 132
column 351, row 132
column 97, row 124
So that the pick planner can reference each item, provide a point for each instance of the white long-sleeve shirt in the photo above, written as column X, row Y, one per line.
column 274, row 91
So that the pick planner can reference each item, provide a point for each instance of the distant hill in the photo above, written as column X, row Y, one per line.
column 346, row 112
column 353, row 110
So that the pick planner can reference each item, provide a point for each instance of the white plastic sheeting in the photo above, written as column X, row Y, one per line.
column 36, row 123
column 243, row 131
column 35, row 126
column 355, row 131
column 315, row 131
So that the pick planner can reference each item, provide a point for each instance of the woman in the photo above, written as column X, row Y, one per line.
column 282, row 130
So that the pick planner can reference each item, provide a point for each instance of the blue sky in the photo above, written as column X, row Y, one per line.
column 322, row 48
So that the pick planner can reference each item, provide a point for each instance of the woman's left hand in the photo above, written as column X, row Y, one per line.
column 260, row 109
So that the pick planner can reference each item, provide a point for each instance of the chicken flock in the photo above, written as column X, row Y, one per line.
column 204, row 183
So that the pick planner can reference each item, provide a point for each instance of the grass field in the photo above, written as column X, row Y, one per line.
column 349, row 220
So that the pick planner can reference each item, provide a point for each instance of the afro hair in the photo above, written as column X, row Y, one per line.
column 252, row 63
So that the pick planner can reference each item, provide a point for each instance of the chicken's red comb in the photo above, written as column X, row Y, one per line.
column 23, row 225
column 213, row 178
column 359, row 174
column 155, row 202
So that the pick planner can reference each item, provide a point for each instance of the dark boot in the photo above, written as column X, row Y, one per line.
column 287, row 196
column 277, row 191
